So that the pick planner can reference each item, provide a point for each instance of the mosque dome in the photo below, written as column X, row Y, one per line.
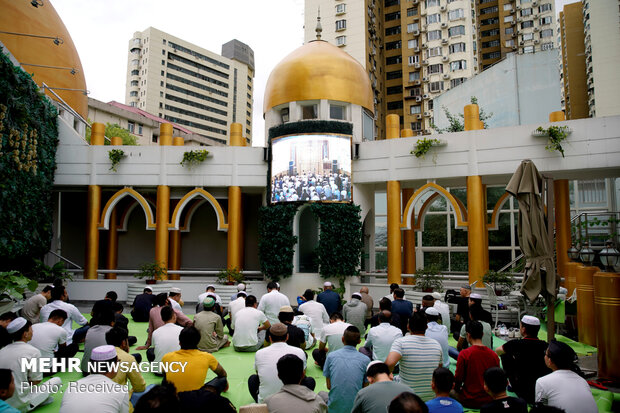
column 21, row 17
column 318, row 70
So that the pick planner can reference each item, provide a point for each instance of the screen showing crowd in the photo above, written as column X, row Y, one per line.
column 314, row 167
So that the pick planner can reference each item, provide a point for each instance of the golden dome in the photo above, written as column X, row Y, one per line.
column 318, row 70
column 21, row 17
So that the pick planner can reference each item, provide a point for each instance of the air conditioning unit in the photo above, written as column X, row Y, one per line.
column 446, row 76
column 424, row 46
column 444, row 25
column 536, row 29
column 519, row 20
column 425, row 96
column 416, row 50
column 521, row 43
column 416, row 65
column 514, row 35
column 425, row 62
column 427, row 114
column 416, row 82
column 442, row 8
column 513, row 23
column 416, row 1
column 419, row 116
column 518, row 7
column 534, row 3
column 418, row 99
column 514, row 47
column 444, row 41
column 416, row 32
column 536, row 41
column 425, row 79
column 444, row 59
column 512, row 11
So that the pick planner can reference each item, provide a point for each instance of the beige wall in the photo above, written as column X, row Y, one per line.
column 573, row 62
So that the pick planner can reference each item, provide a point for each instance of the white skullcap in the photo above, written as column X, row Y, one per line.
column 530, row 320
column 356, row 295
column 241, row 287
column 102, row 353
column 431, row 311
column 278, row 285
column 243, row 293
column 327, row 284
column 16, row 325
column 175, row 290
column 436, row 296
column 475, row 296
column 210, row 286
column 148, row 288
column 372, row 363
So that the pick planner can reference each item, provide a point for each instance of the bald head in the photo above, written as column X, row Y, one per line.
column 385, row 316
column 364, row 290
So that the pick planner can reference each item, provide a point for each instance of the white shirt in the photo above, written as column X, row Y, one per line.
column 566, row 390
column 247, row 321
column 444, row 310
column 10, row 358
column 381, row 338
column 73, row 314
column 332, row 335
column 265, row 364
column 166, row 339
column 233, row 309
column 439, row 333
column 175, row 305
column 317, row 313
column 204, row 295
column 271, row 303
column 390, row 296
column 111, row 400
column 46, row 337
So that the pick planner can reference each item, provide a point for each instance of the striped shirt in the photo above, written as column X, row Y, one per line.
column 420, row 356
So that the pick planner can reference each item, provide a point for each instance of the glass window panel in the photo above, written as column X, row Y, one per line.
column 380, row 203
column 460, row 194
column 434, row 232
column 381, row 231
column 458, row 237
column 381, row 260
column 458, row 261
column 501, row 237
column 499, row 258
column 493, row 195
column 437, row 259
column 439, row 204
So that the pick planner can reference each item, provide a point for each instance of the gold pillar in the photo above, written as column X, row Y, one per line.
column 471, row 117
column 585, row 304
column 178, row 141
column 562, row 223
column 393, row 213
column 165, row 134
column 485, row 256
column 408, row 235
column 116, row 141
column 235, row 229
column 91, row 263
column 162, row 216
column 175, row 253
column 112, row 253
column 556, row 116
column 570, row 278
column 607, row 318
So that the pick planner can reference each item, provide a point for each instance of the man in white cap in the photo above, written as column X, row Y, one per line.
column 354, row 312
column 438, row 332
column 97, row 392
column 271, row 302
column 33, row 305
column 25, row 398
column 240, row 287
column 524, row 359
column 443, row 308
column 381, row 391
column 476, row 300
column 316, row 311
column 329, row 298
column 233, row 308
column 174, row 297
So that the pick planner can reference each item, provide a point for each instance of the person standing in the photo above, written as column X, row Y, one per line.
column 403, row 308
column 316, row 311
column 381, row 391
column 250, row 327
column 59, row 296
column 495, row 383
column 329, row 298
column 32, row 307
column 462, row 310
column 345, row 372
column 418, row 355
column 212, row 337
column 438, row 332
column 380, row 338
column 271, row 302
column 367, row 299
column 393, row 287
column 354, row 312
column 142, row 304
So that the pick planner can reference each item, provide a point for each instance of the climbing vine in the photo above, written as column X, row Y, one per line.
column 422, row 146
column 193, row 158
column 557, row 135
column 115, row 155
column 276, row 243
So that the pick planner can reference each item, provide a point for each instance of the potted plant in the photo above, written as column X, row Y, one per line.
column 423, row 146
column 428, row 279
column 44, row 273
column 115, row 156
column 193, row 158
column 502, row 282
column 152, row 271
column 230, row 276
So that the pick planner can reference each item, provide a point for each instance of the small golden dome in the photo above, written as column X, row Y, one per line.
column 318, row 70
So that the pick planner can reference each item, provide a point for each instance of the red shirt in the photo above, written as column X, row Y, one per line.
column 470, row 368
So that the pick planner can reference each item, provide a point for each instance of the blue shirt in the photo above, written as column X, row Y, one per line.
column 444, row 405
column 346, row 370
column 7, row 408
column 330, row 300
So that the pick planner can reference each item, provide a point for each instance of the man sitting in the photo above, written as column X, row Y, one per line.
column 402, row 307
column 51, row 339
column 470, row 368
column 296, row 336
column 442, row 384
column 438, row 332
column 524, row 359
column 59, row 298
column 233, row 308
column 444, row 310
column 380, row 338
column 330, row 339
column 165, row 338
column 476, row 300
column 329, row 298
column 250, row 327
column 95, row 336
column 155, row 320
column 407, row 403
column 142, row 304
column 212, row 337
column 345, row 372
column 385, row 304
column 495, row 383
column 266, row 382
column 32, row 307
column 271, row 302
column 382, row 389
column 294, row 396
column 198, row 364
column 316, row 311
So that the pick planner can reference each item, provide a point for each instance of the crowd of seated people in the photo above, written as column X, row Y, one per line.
column 311, row 187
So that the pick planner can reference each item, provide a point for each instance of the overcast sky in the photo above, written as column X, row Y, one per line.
column 101, row 30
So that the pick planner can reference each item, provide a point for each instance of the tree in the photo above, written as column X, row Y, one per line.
column 113, row 129
column 457, row 121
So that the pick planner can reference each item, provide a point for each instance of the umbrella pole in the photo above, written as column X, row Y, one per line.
column 550, row 299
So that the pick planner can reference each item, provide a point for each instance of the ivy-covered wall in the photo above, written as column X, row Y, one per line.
column 28, row 141
column 276, row 242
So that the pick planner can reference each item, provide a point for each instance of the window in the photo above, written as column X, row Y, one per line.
column 135, row 72
column 139, row 129
column 393, row 60
column 456, row 31
column 131, row 127
column 309, row 112
column 492, row 55
column 412, row 11
column 433, row 35
column 389, row 3
column 527, row 24
column 340, row 8
column 415, row 109
column 412, row 27
column 544, row 7
column 337, row 112
column 437, row 68
column 546, row 20
column 493, row 20
column 397, row 74
column 341, row 24
column 433, row 18
column 394, row 90
column 390, row 31
column 433, row 51
column 546, row 33
column 528, row 49
column 458, row 65
column 509, row 30
column 508, row 19
column 433, row 3
column 341, row 40
column 492, row 43
column 413, row 60
column 412, row 43
column 133, row 93
column 526, row 12
column 457, row 81
column 456, row 14
column 395, row 105
column 368, row 128
column 393, row 45
column 528, row 36
column 510, row 43
column 546, row 46
column 392, row 16
column 413, row 76
column 435, row 86
column 416, row 91
column 134, row 83
column 416, row 126
column 135, row 62
column 489, row 33
column 489, row 10
column 456, row 47
column 507, row 6
column 284, row 115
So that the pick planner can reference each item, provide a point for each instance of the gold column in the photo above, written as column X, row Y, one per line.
column 471, row 115
column 562, row 223
column 178, row 141
column 607, row 319
column 408, row 235
column 112, row 256
column 570, row 278
column 585, row 304
column 162, row 215
column 393, row 214
column 91, row 263
column 235, row 230
column 556, row 116
column 174, row 257
column 486, row 229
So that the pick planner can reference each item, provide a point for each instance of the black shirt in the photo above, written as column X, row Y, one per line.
column 198, row 400
column 395, row 320
column 507, row 405
column 142, row 305
column 462, row 309
column 99, row 308
column 296, row 336
column 5, row 337
column 524, row 363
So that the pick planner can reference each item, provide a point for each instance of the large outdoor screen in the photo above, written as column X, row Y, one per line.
column 312, row 167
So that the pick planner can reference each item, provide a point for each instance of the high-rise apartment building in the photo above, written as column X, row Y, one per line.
column 573, row 61
column 506, row 26
column 191, row 86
